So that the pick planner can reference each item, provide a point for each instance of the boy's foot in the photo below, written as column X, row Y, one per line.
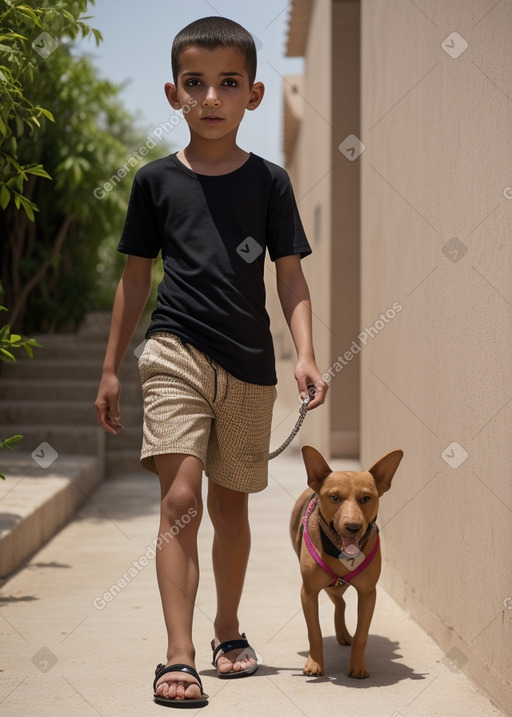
column 178, row 683
column 234, row 658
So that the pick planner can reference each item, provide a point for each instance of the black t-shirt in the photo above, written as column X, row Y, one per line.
column 213, row 232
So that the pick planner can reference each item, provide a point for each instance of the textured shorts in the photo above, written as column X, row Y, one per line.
column 194, row 406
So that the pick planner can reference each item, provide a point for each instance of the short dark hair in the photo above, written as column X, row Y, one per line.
column 213, row 32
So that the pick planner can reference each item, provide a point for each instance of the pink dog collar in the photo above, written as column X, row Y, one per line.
column 337, row 581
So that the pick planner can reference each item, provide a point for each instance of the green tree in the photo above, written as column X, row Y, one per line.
column 9, row 344
column 24, row 39
column 60, row 120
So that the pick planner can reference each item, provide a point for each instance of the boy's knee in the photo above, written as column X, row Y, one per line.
column 229, row 516
column 181, row 506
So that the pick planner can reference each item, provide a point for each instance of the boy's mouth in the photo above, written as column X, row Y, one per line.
column 212, row 119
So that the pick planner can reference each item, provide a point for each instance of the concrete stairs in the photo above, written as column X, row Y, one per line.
column 64, row 454
column 51, row 397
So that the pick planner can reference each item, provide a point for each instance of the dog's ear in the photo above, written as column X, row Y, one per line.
column 316, row 467
column 384, row 470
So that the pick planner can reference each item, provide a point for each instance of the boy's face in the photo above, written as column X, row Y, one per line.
column 213, row 87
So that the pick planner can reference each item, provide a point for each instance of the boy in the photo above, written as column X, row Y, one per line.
column 207, row 370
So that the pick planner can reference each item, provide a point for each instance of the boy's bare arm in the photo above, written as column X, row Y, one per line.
column 131, row 298
column 296, row 303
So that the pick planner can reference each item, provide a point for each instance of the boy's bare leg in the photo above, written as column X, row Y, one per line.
column 177, row 566
column 229, row 513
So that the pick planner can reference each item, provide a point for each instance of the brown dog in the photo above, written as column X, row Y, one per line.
column 334, row 534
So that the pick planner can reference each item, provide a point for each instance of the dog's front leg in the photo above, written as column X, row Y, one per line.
column 365, row 607
column 315, row 661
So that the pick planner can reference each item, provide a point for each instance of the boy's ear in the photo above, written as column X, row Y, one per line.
column 257, row 92
column 171, row 93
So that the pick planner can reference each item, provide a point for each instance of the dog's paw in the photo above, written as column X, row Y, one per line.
column 343, row 638
column 359, row 672
column 313, row 668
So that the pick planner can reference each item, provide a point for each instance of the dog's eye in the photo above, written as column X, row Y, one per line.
column 365, row 499
column 335, row 498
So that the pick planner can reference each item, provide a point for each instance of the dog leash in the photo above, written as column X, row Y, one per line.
column 300, row 420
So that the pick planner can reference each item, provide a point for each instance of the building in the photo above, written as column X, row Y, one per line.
column 397, row 139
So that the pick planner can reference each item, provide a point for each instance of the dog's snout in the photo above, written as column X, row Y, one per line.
column 353, row 527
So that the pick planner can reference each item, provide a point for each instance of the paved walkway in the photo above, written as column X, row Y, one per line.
column 68, row 653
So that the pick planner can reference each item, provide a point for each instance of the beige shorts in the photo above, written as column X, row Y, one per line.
column 194, row 406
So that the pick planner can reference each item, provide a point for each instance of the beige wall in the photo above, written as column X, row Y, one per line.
column 326, row 185
column 437, row 162
column 312, row 186
column 345, row 241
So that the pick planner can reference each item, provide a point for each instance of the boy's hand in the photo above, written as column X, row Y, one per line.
column 107, row 404
column 308, row 376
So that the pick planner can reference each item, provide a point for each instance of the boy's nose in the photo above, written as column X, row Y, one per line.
column 211, row 99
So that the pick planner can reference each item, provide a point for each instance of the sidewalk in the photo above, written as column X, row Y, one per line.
column 64, row 656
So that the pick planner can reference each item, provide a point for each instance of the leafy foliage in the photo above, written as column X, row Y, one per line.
column 9, row 443
column 21, row 24
column 60, row 119
column 9, row 343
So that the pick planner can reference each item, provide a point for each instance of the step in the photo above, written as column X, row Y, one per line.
column 123, row 461
column 58, row 369
column 130, row 438
column 69, row 412
column 62, row 439
column 35, row 503
column 75, row 389
column 57, row 346
column 66, row 351
column 96, row 326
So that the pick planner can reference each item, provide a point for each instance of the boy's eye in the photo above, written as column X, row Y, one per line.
column 192, row 83
column 230, row 83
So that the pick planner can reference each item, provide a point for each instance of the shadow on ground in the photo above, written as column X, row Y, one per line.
column 381, row 654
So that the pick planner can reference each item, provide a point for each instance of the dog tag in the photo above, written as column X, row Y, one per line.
column 351, row 562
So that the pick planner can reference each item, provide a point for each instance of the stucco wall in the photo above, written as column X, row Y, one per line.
column 345, row 240
column 312, row 186
column 436, row 375
column 327, row 188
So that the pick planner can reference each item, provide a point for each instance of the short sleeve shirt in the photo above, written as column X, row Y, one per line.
column 213, row 233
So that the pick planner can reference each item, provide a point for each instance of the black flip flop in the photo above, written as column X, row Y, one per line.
column 227, row 647
column 171, row 702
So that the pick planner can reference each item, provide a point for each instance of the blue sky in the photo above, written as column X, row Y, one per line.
column 136, row 51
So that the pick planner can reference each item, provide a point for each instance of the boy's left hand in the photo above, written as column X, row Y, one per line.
column 308, row 376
